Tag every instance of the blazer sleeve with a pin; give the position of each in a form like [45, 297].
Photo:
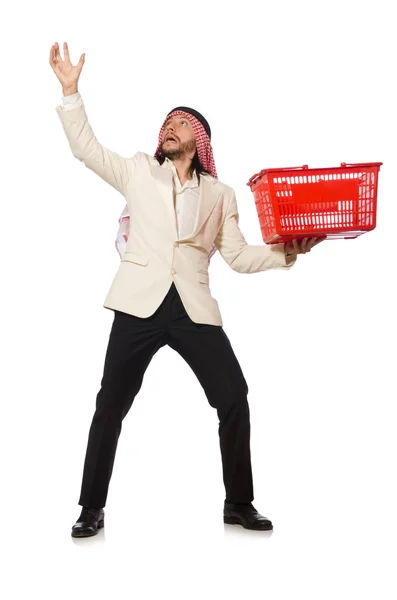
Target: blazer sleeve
[243, 257]
[110, 166]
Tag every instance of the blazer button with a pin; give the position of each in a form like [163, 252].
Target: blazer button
[173, 271]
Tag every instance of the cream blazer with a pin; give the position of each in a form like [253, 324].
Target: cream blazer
[155, 256]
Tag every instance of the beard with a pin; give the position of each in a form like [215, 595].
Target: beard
[178, 150]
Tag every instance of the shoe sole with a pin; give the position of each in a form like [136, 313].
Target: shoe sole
[89, 534]
[235, 521]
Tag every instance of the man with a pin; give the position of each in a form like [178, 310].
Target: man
[180, 214]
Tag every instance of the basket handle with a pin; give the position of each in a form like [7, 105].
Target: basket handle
[378, 164]
[293, 168]
[283, 169]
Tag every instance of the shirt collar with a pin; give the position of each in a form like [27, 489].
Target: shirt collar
[190, 182]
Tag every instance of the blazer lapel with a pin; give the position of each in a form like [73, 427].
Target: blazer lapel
[208, 196]
[163, 179]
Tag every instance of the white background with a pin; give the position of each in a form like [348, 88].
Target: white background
[281, 84]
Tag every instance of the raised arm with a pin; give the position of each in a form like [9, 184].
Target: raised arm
[243, 257]
[110, 166]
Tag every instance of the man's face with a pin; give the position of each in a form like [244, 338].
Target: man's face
[179, 128]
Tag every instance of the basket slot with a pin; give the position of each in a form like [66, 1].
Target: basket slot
[264, 207]
[366, 202]
[329, 216]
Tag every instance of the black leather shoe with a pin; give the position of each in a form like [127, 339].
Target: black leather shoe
[245, 515]
[88, 523]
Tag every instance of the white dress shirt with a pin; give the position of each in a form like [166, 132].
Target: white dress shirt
[186, 197]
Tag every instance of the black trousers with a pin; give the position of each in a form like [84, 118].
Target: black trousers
[133, 341]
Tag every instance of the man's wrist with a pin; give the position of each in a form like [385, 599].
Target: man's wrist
[70, 90]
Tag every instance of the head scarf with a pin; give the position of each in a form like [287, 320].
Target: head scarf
[202, 133]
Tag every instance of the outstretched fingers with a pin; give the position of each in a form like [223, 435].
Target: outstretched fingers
[57, 54]
[52, 56]
[66, 52]
[81, 62]
[295, 244]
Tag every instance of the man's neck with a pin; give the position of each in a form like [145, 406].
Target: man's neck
[184, 169]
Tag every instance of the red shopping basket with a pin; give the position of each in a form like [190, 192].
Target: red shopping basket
[339, 202]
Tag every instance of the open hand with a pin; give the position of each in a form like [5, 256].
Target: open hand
[302, 246]
[67, 73]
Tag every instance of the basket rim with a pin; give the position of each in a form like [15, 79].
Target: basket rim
[305, 169]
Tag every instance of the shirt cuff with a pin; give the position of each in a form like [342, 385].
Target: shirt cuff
[70, 102]
[70, 99]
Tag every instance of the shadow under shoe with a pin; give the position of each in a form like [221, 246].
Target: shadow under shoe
[245, 515]
[88, 523]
